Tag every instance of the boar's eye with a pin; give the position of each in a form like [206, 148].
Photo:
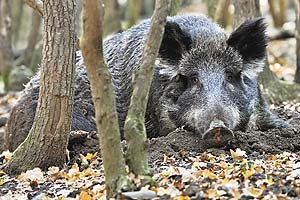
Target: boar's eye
[195, 80]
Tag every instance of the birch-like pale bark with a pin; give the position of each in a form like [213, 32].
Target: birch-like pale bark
[134, 131]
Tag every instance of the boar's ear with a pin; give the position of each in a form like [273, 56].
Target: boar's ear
[174, 43]
[250, 39]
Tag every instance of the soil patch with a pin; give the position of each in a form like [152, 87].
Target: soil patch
[272, 141]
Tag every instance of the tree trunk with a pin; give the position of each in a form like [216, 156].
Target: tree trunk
[175, 5]
[222, 15]
[112, 19]
[278, 9]
[211, 8]
[297, 12]
[47, 141]
[218, 11]
[17, 12]
[274, 13]
[33, 39]
[273, 88]
[283, 6]
[147, 7]
[102, 92]
[78, 25]
[5, 41]
[133, 12]
[134, 131]
[245, 9]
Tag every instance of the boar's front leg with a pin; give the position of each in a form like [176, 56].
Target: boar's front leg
[264, 119]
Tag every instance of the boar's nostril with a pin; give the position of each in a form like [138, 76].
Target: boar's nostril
[217, 134]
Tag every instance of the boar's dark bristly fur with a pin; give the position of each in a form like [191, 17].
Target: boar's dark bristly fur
[201, 75]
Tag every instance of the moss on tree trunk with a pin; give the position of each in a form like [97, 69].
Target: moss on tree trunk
[103, 98]
[134, 131]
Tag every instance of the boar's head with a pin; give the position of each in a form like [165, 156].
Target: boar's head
[205, 80]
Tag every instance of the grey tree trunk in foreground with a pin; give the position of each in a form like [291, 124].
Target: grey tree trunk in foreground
[134, 131]
[46, 143]
[274, 89]
[5, 41]
[297, 12]
[103, 97]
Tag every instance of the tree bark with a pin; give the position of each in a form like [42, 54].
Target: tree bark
[175, 5]
[273, 88]
[211, 8]
[278, 9]
[5, 41]
[219, 11]
[147, 7]
[17, 12]
[244, 10]
[134, 131]
[78, 25]
[297, 12]
[283, 5]
[222, 15]
[47, 141]
[112, 19]
[274, 13]
[33, 39]
[133, 12]
[102, 92]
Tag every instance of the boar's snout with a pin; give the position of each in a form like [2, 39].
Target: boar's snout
[217, 134]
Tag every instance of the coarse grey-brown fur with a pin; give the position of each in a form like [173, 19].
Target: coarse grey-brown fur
[190, 44]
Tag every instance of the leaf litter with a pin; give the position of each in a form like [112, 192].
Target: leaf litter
[232, 175]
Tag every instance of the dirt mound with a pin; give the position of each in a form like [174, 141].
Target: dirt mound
[272, 141]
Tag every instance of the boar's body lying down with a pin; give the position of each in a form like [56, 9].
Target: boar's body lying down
[203, 80]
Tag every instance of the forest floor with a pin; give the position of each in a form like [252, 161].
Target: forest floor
[254, 164]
